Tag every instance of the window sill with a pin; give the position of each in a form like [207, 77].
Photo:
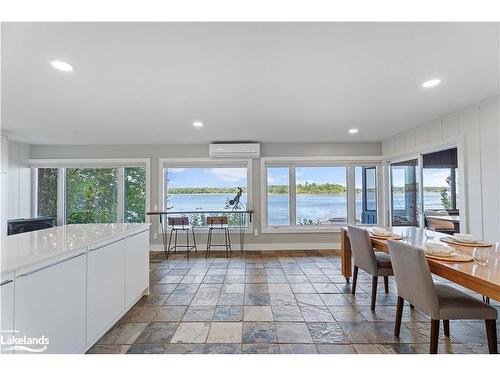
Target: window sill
[303, 229]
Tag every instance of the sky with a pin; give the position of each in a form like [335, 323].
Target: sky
[207, 177]
[432, 177]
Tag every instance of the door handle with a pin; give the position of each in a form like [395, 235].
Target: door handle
[50, 265]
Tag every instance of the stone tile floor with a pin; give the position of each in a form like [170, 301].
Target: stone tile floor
[272, 302]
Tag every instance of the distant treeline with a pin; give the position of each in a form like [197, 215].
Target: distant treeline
[204, 190]
[427, 189]
[306, 188]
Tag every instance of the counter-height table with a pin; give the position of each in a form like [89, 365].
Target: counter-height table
[483, 279]
[241, 221]
[62, 288]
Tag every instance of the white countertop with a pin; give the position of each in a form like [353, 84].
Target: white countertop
[27, 249]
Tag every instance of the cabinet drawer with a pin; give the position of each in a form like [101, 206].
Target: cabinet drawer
[136, 266]
[50, 302]
[105, 287]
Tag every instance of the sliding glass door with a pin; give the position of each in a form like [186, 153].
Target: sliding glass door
[405, 201]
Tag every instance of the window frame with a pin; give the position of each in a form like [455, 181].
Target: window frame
[202, 163]
[62, 164]
[292, 162]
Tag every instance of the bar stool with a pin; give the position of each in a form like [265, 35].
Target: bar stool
[218, 223]
[180, 224]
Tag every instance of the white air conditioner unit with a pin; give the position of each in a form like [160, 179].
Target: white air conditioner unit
[235, 150]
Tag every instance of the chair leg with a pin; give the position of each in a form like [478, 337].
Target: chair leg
[187, 243]
[446, 326]
[194, 240]
[225, 242]
[354, 280]
[374, 291]
[491, 332]
[175, 242]
[434, 336]
[209, 239]
[386, 284]
[399, 316]
[169, 241]
[229, 239]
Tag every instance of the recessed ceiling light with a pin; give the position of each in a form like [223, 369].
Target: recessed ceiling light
[61, 65]
[353, 131]
[197, 124]
[431, 83]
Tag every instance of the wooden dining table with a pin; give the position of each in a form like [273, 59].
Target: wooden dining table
[483, 279]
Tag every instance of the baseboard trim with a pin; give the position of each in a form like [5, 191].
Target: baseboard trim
[335, 246]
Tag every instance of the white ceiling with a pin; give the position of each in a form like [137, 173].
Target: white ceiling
[144, 83]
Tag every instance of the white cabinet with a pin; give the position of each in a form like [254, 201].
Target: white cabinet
[136, 266]
[7, 312]
[50, 302]
[105, 287]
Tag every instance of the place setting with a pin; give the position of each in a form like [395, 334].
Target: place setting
[384, 234]
[464, 239]
[444, 252]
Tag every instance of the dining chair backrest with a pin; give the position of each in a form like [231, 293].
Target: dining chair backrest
[217, 221]
[178, 221]
[362, 249]
[413, 277]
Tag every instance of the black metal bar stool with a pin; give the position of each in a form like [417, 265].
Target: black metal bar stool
[218, 223]
[180, 224]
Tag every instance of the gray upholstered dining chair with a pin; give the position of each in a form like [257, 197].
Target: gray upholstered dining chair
[376, 263]
[439, 301]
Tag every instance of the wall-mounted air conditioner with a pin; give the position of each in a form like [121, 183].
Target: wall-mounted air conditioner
[235, 150]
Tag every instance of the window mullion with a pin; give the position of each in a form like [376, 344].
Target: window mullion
[351, 195]
[34, 192]
[61, 196]
[292, 196]
[120, 207]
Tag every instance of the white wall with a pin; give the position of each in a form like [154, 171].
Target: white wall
[15, 181]
[479, 128]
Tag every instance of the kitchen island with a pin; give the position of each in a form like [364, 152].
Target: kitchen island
[62, 288]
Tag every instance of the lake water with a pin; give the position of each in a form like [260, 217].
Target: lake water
[310, 207]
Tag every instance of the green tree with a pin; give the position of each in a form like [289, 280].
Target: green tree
[445, 198]
[91, 195]
[47, 192]
[135, 195]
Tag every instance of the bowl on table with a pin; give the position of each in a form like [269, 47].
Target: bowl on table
[464, 237]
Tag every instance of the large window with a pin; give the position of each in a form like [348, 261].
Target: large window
[135, 195]
[440, 180]
[310, 195]
[366, 195]
[91, 194]
[204, 187]
[278, 196]
[321, 195]
[405, 197]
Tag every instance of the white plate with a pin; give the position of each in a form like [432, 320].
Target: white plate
[382, 232]
[438, 249]
[464, 238]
